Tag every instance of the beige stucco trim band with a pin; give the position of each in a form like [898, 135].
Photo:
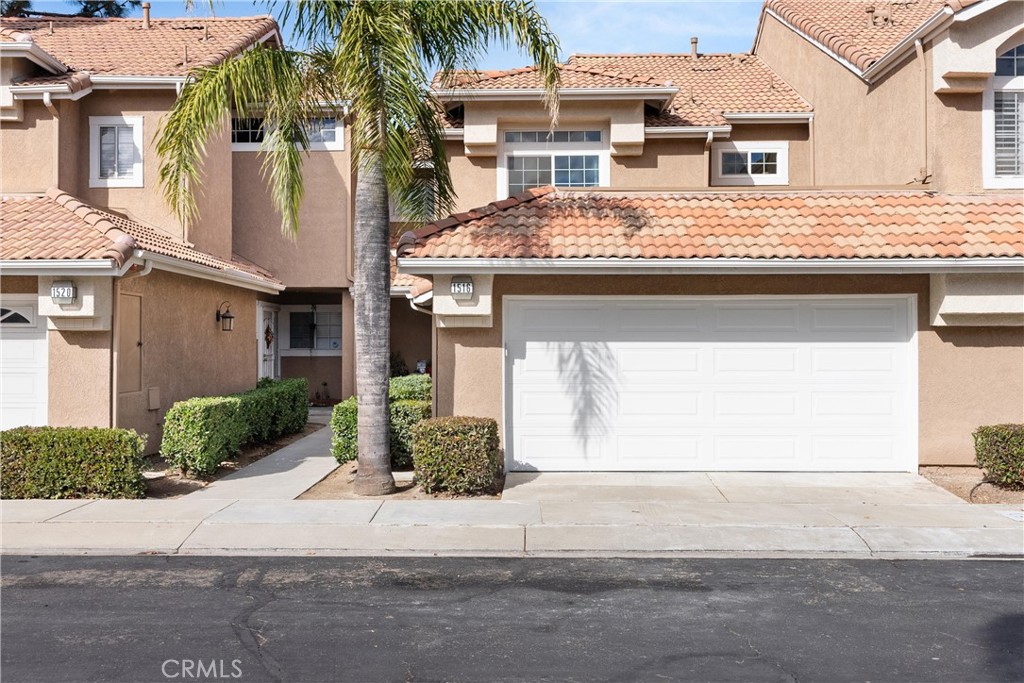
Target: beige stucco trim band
[603, 266]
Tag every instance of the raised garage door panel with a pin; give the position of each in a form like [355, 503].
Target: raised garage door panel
[715, 383]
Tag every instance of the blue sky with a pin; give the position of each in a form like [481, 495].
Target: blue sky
[610, 26]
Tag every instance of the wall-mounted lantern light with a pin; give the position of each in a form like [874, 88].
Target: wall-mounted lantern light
[226, 320]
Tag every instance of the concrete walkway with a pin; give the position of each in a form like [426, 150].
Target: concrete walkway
[253, 512]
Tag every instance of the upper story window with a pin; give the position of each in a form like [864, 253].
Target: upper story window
[563, 158]
[750, 163]
[115, 151]
[1003, 122]
[322, 133]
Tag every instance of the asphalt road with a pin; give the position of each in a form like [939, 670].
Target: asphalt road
[459, 619]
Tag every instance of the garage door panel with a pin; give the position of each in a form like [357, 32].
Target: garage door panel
[23, 363]
[687, 383]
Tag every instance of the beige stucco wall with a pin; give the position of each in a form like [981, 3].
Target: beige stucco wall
[316, 370]
[79, 379]
[28, 151]
[967, 376]
[144, 203]
[319, 255]
[863, 135]
[410, 333]
[185, 353]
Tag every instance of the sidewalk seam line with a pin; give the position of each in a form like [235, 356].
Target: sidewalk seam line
[61, 514]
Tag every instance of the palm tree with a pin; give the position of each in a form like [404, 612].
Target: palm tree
[376, 54]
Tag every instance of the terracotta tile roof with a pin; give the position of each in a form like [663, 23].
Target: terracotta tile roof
[59, 226]
[708, 85]
[842, 26]
[571, 76]
[121, 47]
[545, 223]
[74, 80]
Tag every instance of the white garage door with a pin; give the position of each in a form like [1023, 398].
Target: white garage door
[23, 363]
[711, 383]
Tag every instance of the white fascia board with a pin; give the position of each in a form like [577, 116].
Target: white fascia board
[626, 93]
[97, 267]
[686, 131]
[454, 133]
[977, 10]
[136, 82]
[694, 266]
[815, 43]
[31, 51]
[939, 21]
[228, 277]
[56, 92]
[765, 117]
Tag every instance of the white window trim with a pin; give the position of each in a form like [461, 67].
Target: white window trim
[337, 146]
[529, 149]
[990, 181]
[780, 147]
[136, 179]
[284, 325]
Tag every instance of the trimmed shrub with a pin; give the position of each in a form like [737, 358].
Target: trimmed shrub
[458, 455]
[403, 415]
[999, 450]
[344, 431]
[409, 388]
[71, 462]
[201, 433]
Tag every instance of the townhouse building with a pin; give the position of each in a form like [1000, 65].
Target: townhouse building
[807, 257]
[111, 309]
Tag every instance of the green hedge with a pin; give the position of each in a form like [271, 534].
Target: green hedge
[71, 462]
[403, 415]
[409, 388]
[201, 433]
[999, 450]
[458, 455]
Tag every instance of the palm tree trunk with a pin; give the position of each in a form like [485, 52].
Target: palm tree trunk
[372, 299]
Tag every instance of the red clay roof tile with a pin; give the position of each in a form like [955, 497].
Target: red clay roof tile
[551, 224]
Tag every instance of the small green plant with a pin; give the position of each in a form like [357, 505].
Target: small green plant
[999, 450]
[457, 455]
[201, 433]
[398, 366]
[71, 462]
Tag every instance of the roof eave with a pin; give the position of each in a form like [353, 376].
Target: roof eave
[235, 278]
[768, 117]
[460, 94]
[61, 267]
[31, 51]
[686, 131]
[938, 22]
[60, 91]
[697, 266]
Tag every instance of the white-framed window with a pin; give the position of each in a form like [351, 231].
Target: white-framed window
[323, 133]
[750, 163]
[17, 316]
[115, 151]
[1002, 122]
[313, 330]
[563, 158]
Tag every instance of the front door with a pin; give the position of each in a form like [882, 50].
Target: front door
[270, 359]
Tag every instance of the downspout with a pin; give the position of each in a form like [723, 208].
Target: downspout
[919, 49]
[813, 151]
[115, 336]
[52, 108]
[707, 159]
